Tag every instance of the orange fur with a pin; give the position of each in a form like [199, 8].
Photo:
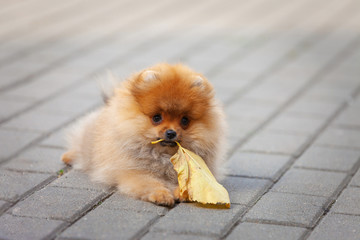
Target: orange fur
[67, 157]
[113, 143]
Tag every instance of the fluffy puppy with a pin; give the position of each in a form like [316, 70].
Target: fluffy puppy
[113, 144]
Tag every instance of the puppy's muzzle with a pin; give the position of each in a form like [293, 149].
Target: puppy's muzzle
[170, 137]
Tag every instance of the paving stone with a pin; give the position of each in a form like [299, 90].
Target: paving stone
[12, 141]
[12, 107]
[57, 203]
[330, 92]
[312, 182]
[102, 223]
[245, 190]
[234, 141]
[88, 90]
[69, 105]
[120, 201]
[37, 159]
[257, 231]
[277, 93]
[337, 226]
[296, 124]
[14, 184]
[207, 221]
[228, 84]
[278, 143]
[37, 121]
[335, 137]
[174, 236]
[3, 206]
[257, 165]
[349, 118]
[12, 227]
[247, 109]
[312, 107]
[241, 127]
[56, 140]
[286, 208]
[348, 202]
[327, 158]
[78, 179]
[355, 181]
[37, 90]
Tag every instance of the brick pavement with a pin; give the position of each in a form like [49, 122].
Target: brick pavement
[286, 71]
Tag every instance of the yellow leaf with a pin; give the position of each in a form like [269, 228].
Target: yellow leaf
[196, 182]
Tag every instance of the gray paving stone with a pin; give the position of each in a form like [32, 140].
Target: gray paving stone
[241, 127]
[227, 83]
[36, 90]
[258, 231]
[233, 142]
[312, 107]
[102, 223]
[311, 182]
[355, 181]
[174, 236]
[12, 107]
[348, 138]
[330, 92]
[12, 141]
[88, 90]
[57, 203]
[296, 124]
[56, 140]
[277, 93]
[327, 158]
[37, 121]
[349, 118]
[120, 201]
[348, 202]
[66, 104]
[337, 226]
[207, 221]
[14, 184]
[245, 190]
[12, 227]
[288, 209]
[78, 179]
[269, 166]
[37, 159]
[278, 143]
[247, 109]
[3, 206]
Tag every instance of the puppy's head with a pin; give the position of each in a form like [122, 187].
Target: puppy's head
[176, 102]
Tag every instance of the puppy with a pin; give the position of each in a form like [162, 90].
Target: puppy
[171, 102]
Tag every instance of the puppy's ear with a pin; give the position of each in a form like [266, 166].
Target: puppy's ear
[149, 75]
[198, 81]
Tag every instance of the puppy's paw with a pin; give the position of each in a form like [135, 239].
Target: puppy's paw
[160, 196]
[68, 157]
[177, 195]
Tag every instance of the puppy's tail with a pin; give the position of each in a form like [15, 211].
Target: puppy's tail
[107, 84]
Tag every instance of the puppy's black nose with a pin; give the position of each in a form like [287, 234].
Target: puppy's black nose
[170, 134]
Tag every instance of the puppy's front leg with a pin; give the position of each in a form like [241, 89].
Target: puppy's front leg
[146, 187]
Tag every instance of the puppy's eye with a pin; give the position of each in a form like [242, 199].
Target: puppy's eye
[157, 119]
[185, 121]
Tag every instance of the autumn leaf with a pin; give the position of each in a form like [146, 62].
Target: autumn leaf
[196, 182]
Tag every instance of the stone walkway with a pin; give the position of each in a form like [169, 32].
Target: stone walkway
[288, 73]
